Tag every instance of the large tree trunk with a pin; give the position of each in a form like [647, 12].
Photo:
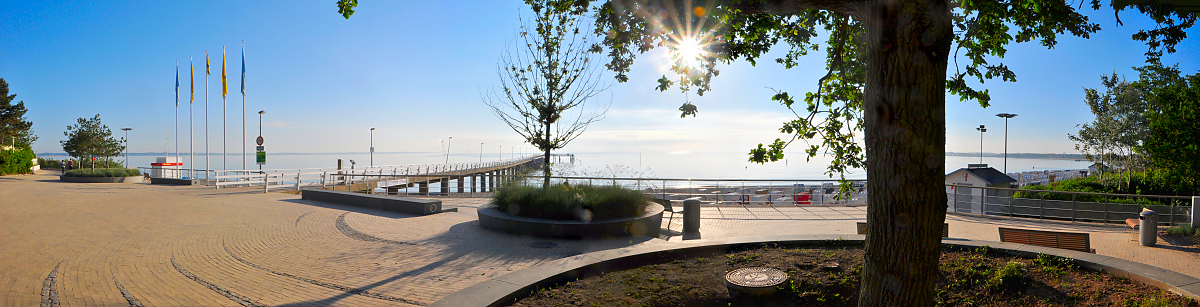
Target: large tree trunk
[907, 44]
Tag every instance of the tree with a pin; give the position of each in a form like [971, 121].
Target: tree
[548, 71]
[13, 126]
[1173, 117]
[887, 72]
[1120, 126]
[90, 139]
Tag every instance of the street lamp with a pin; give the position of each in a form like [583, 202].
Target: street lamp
[126, 146]
[981, 131]
[372, 146]
[480, 152]
[260, 113]
[1006, 116]
[448, 150]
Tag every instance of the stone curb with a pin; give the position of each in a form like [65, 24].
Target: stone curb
[649, 224]
[506, 289]
[407, 205]
[130, 179]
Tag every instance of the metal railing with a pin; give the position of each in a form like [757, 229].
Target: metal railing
[801, 192]
[1068, 206]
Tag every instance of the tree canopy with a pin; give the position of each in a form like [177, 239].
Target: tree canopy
[1173, 120]
[90, 139]
[14, 128]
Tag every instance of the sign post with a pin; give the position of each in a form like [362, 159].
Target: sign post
[260, 155]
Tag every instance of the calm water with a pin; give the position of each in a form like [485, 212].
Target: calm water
[699, 165]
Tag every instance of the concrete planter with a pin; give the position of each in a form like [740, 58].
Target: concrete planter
[648, 224]
[130, 179]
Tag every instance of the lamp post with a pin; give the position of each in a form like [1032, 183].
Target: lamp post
[480, 152]
[372, 146]
[448, 150]
[260, 113]
[126, 146]
[1006, 116]
[981, 131]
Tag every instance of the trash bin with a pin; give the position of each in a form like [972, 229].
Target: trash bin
[1149, 227]
[691, 217]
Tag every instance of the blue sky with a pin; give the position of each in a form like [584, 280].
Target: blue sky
[415, 69]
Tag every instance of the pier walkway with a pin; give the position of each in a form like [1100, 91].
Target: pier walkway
[75, 244]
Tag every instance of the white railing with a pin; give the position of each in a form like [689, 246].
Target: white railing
[310, 177]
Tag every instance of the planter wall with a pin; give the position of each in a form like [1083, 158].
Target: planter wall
[649, 224]
[130, 179]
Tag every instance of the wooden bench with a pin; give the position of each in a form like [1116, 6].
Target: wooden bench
[862, 229]
[1133, 223]
[1075, 241]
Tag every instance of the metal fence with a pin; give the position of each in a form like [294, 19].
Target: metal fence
[816, 192]
[1058, 205]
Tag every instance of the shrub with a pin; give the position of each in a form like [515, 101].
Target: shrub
[103, 172]
[50, 163]
[564, 202]
[1153, 182]
[16, 161]
[1009, 277]
[1183, 229]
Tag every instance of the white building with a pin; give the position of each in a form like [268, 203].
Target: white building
[977, 175]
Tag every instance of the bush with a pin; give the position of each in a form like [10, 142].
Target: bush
[16, 161]
[564, 202]
[104, 172]
[1008, 278]
[1183, 229]
[1155, 182]
[50, 163]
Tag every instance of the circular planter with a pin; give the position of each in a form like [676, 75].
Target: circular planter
[648, 224]
[130, 179]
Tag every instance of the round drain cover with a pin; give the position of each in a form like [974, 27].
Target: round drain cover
[543, 244]
[754, 280]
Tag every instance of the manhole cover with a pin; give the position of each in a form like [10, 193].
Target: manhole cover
[755, 280]
[543, 244]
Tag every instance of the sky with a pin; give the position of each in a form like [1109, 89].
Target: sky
[415, 71]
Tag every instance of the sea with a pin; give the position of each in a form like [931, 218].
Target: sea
[675, 165]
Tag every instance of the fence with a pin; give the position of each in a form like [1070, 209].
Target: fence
[816, 192]
[1111, 208]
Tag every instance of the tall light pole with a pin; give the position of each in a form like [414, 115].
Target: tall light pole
[480, 152]
[448, 150]
[372, 146]
[1006, 116]
[981, 131]
[126, 146]
[260, 113]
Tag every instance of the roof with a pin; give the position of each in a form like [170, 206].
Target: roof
[989, 175]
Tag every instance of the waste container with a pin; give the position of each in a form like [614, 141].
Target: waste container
[691, 216]
[1149, 227]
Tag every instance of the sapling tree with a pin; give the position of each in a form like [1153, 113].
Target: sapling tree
[546, 78]
[91, 139]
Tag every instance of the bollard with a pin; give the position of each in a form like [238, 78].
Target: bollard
[691, 218]
[1195, 210]
[1149, 227]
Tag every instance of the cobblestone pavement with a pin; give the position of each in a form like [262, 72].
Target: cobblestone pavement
[74, 244]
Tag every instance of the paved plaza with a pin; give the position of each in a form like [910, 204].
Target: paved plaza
[75, 244]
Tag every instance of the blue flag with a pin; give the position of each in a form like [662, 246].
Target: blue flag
[176, 83]
[243, 68]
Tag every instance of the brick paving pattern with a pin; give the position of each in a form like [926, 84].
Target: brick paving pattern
[75, 244]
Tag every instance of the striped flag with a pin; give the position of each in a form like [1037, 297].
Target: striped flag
[192, 69]
[243, 68]
[224, 87]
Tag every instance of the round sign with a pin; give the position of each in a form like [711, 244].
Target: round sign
[259, 140]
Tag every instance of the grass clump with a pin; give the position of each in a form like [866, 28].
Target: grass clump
[103, 172]
[564, 202]
[1011, 276]
[1183, 229]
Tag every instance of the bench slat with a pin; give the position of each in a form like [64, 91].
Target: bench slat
[1064, 240]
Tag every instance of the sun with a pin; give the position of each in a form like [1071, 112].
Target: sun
[690, 52]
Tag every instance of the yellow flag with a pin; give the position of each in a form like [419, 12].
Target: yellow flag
[224, 87]
[207, 69]
[192, 74]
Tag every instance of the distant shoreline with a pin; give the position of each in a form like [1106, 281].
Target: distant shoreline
[1024, 155]
[1052, 156]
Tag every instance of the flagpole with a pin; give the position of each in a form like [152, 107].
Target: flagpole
[224, 110]
[176, 114]
[191, 124]
[243, 104]
[207, 71]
